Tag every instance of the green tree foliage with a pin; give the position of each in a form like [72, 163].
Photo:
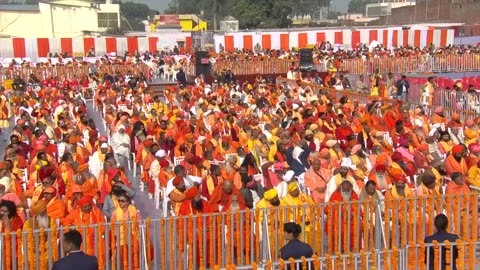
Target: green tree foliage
[359, 6]
[135, 13]
[250, 13]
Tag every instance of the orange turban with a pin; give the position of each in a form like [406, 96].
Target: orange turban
[147, 143]
[457, 149]
[191, 193]
[177, 180]
[73, 140]
[85, 200]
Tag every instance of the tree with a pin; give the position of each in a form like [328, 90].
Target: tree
[135, 13]
[249, 13]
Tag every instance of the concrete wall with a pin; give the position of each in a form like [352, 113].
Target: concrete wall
[55, 20]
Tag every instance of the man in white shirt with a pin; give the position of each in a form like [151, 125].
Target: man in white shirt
[95, 162]
[121, 146]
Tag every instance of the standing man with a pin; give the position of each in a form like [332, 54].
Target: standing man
[402, 86]
[76, 259]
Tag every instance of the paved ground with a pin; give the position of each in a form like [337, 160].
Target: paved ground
[145, 205]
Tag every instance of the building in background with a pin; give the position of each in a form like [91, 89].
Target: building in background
[424, 11]
[185, 22]
[58, 19]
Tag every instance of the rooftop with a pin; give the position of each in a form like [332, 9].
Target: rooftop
[31, 8]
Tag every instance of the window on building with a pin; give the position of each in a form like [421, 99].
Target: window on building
[108, 20]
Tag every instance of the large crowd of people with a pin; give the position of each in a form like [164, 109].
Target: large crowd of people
[216, 148]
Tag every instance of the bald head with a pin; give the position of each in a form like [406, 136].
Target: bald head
[316, 164]
[228, 186]
[346, 186]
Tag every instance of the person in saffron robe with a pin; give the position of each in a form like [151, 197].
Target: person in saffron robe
[213, 180]
[344, 194]
[194, 204]
[56, 208]
[342, 175]
[456, 162]
[222, 195]
[300, 206]
[9, 219]
[316, 179]
[400, 189]
[80, 179]
[177, 195]
[87, 213]
[458, 185]
[474, 175]
[39, 219]
[125, 211]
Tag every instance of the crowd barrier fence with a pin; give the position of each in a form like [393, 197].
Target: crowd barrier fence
[467, 105]
[360, 233]
[396, 65]
[70, 72]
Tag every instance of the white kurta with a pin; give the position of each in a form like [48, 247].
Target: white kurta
[117, 141]
[95, 165]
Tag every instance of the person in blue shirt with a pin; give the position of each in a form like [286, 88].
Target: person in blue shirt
[294, 248]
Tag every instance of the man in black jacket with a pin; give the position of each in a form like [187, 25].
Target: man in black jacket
[75, 259]
[441, 224]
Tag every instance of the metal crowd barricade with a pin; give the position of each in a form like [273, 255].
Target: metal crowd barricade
[69, 72]
[414, 64]
[359, 233]
[467, 105]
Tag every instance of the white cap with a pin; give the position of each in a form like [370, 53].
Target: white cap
[201, 138]
[5, 181]
[288, 176]
[104, 145]
[160, 153]
[121, 127]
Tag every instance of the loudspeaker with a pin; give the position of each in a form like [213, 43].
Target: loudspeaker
[200, 58]
[202, 63]
[306, 59]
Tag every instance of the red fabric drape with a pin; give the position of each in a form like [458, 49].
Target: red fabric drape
[19, 47]
[321, 37]
[405, 38]
[385, 38]
[248, 42]
[429, 37]
[417, 38]
[188, 43]
[111, 44]
[372, 35]
[443, 37]
[302, 40]
[355, 38]
[132, 44]
[229, 44]
[285, 42]
[152, 43]
[395, 38]
[43, 47]
[266, 42]
[88, 43]
[338, 37]
[66, 45]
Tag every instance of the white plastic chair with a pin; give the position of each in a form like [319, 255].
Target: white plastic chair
[134, 165]
[24, 179]
[178, 160]
[142, 184]
[159, 194]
